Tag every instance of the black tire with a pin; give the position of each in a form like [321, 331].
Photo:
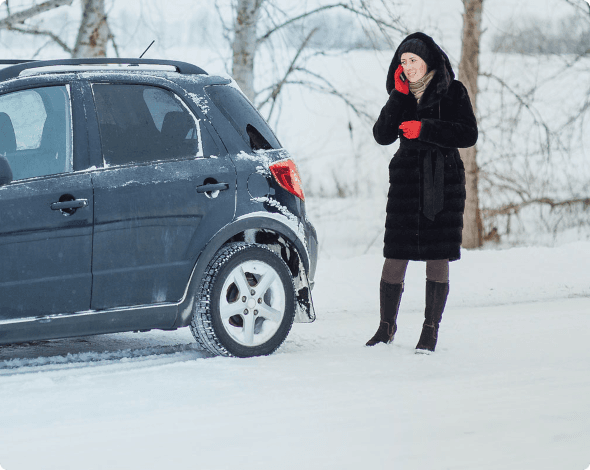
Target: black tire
[258, 329]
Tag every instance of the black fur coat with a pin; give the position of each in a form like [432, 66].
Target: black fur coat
[426, 196]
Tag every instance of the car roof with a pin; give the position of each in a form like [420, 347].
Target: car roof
[18, 68]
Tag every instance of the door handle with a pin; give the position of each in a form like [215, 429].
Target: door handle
[75, 204]
[209, 188]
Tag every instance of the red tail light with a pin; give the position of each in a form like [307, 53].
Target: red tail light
[286, 174]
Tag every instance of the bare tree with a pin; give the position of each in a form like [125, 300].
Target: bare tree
[468, 74]
[530, 168]
[16, 21]
[245, 43]
[94, 33]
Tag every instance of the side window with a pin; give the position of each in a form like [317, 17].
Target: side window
[36, 131]
[140, 124]
[243, 117]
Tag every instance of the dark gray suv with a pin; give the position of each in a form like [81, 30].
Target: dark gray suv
[146, 194]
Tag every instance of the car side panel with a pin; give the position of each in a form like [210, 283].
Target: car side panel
[45, 255]
[150, 224]
[87, 323]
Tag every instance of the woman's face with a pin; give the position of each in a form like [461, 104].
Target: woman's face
[414, 67]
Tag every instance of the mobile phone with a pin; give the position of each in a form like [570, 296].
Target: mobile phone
[403, 77]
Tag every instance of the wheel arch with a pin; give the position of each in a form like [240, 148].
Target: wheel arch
[266, 229]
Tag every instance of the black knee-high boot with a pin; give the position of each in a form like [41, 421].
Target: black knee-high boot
[436, 298]
[390, 296]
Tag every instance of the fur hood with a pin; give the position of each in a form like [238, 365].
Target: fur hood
[440, 62]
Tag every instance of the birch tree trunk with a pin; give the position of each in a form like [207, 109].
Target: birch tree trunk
[244, 45]
[93, 34]
[468, 73]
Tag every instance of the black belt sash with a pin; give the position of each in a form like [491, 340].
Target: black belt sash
[433, 184]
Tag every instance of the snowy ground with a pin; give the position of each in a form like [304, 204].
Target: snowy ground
[507, 388]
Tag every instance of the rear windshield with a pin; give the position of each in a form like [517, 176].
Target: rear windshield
[244, 117]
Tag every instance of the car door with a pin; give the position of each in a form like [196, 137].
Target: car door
[163, 192]
[46, 212]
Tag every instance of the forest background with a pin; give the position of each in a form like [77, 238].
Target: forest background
[318, 76]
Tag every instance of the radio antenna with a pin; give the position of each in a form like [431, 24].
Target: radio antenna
[147, 48]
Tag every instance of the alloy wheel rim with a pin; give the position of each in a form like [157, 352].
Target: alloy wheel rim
[252, 303]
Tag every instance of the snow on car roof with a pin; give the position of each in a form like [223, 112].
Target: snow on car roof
[19, 68]
[92, 68]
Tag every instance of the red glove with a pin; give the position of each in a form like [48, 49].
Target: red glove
[411, 129]
[401, 85]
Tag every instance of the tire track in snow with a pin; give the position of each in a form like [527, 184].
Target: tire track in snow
[140, 357]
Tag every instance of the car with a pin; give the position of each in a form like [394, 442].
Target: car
[140, 194]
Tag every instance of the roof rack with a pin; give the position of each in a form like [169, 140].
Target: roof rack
[17, 66]
[14, 61]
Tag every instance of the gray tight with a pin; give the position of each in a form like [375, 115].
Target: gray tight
[394, 270]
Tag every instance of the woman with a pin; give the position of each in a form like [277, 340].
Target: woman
[431, 114]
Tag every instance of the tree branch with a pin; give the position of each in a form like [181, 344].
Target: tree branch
[39, 32]
[507, 183]
[112, 39]
[579, 7]
[514, 208]
[533, 112]
[344, 6]
[22, 16]
[389, 12]
[276, 89]
[330, 89]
